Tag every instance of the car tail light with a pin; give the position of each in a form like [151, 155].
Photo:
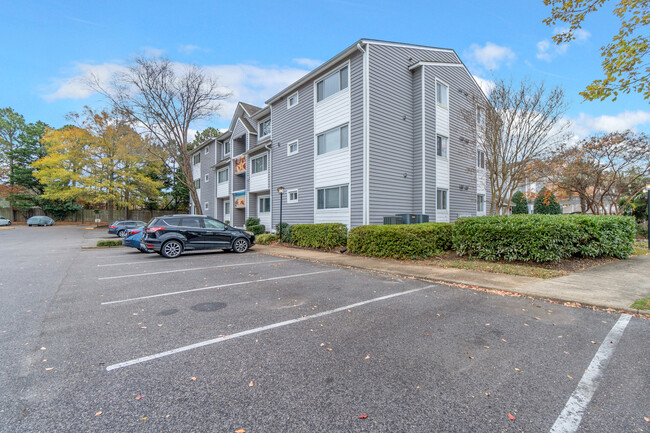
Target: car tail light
[133, 232]
[149, 246]
[155, 229]
[111, 227]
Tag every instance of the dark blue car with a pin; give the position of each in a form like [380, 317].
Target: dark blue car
[120, 228]
[132, 239]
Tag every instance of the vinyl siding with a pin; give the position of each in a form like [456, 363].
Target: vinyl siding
[208, 191]
[416, 85]
[356, 139]
[295, 171]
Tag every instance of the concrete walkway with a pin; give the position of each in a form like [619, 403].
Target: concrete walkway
[613, 285]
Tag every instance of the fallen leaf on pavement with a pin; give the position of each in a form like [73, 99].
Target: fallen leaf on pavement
[511, 417]
[367, 357]
[144, 418]
[516, 369]
[193, 379]
[427, 335]
[250, 383]
[593, 342]
[241, 430]
[42, 348]
[139, 397]
[49, 368]
[329, 349]
[98, 413]
[487, 394]
[471, 357]
[143, 327]
[645, 418]
[569, 376]
[322, 344]
[486, 347]
[363, 416]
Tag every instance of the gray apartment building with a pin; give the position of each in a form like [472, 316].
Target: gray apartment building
[381, 128]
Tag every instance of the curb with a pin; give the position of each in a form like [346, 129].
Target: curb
[92, 247]
[503, 292]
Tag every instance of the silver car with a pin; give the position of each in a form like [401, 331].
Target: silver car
[4, 221]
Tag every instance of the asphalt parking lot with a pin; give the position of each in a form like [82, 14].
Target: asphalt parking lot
[116, 340]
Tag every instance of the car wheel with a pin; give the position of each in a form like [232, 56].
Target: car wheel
[240, 245]
[121, 233]
[171, 249]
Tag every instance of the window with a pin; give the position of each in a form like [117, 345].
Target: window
[480, 116]
[209, 223]
[197, 183]
[207, 178]
[292, 196]
[480, 159]
[197, 158]
[172, 221]
[207, 149]
[333, 198]
[333, 139]
[441, 199]
[332, 84]
[190, 222]
[226, 208]
[206, 205]
[442, 94]
[226, 148]
[442, 146]
[292, 148]
[480, 203]
[259, 164]
[264, 205]
[292, 101]
[264, 128]
[222, 176]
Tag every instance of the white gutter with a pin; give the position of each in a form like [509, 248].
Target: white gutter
[366, 133]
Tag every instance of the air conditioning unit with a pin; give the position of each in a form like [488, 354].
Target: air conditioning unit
[413, 218]
[393, 220]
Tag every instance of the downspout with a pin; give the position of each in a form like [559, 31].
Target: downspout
[366, 134]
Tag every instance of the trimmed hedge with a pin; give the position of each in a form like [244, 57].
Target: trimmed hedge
[110, 243]
[544, 238]
[266, 238]
[327, 236]
[401, 241]
[253, 225]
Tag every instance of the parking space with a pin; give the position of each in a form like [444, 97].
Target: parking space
[222, 341]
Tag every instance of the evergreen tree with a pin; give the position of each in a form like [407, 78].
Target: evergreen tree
[546, 203]
[520, 203]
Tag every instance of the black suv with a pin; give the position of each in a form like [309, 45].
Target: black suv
[170, 235]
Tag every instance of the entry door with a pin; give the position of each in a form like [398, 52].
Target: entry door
[264, 211]
[226, 212]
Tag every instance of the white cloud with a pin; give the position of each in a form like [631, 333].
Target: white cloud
[77, 86]
[485, 85]
[586, 124]
[189, 49]
[491, 56]
[310, 63]
[246, 83]
[152, 51]
[547, 50]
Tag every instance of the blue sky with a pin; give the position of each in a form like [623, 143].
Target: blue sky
[257, 48]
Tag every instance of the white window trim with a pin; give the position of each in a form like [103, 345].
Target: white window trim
[206, 206]
[477, 202]
[224, 209]
[194, 161]
[259, 173]
[221, 171]
[229, 148]
[334, 152]
[446, 209]
[289, 152]
[478, 159]
[289, 195]
[207, 150]
[258, 129]
[446, 107]
[289, 99]
[446, 156]
[259, 198]
[334, 209]
[327, 74]
[207, 178]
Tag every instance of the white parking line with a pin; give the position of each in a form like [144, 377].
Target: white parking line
[190, 269]
[215, 287]
[256, 330]
[570, 418]
[155, 260]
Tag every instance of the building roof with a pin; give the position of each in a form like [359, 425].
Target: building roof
[222, 163]
[250, 109]
[349, 50]
[249, 126]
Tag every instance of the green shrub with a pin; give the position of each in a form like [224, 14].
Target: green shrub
[250, 222]
[544, 238]
[546, 203]
[266, 238]
[642, 230]
[257, 230]
[325, 236]
[400, 241]
[520, 203]
[110, 243]
[286, 232]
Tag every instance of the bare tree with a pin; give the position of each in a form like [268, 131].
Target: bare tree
[520, 124]
[606, 171]
[165, 99]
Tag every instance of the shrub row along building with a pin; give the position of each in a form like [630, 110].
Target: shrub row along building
[380, 129]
